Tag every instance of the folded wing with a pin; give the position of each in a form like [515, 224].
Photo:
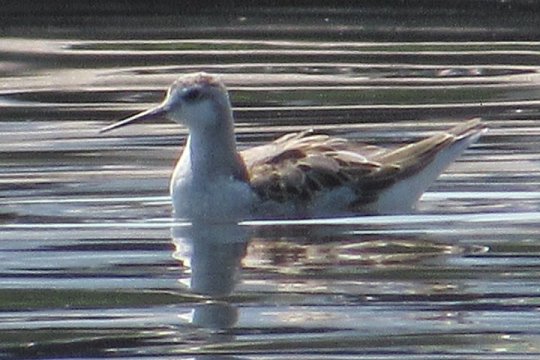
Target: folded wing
[299, 166]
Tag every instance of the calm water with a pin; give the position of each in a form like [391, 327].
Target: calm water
[93, 265]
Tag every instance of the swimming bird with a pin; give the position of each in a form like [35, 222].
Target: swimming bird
[300, 174]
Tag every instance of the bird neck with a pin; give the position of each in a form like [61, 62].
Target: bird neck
[211, 152]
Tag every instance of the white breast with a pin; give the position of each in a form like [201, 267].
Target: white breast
[221, 200]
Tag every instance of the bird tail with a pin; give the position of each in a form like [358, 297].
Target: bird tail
[421, 163]
[454, 141]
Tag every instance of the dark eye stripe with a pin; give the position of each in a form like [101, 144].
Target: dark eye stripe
[191, 94]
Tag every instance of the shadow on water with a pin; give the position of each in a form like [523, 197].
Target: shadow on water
[92, 265]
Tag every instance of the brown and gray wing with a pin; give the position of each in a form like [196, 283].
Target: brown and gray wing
[296, 167]
[416, 156]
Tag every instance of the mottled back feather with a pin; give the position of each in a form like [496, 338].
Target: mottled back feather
[297, 167]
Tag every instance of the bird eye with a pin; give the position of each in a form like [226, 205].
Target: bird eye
[191, 94]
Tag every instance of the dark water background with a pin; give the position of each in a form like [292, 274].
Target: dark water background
[93, 265]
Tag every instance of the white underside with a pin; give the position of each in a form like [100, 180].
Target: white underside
[227, 200]
[328, 203]
[222, 200]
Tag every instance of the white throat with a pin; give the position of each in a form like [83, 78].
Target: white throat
[209, 179]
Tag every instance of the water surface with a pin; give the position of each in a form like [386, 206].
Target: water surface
[93, 264]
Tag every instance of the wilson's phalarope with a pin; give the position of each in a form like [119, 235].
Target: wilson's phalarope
[300, 174]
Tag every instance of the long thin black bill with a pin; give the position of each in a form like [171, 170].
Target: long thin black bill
[149, 114]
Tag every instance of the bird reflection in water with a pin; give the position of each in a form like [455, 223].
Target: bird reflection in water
[213, 253]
